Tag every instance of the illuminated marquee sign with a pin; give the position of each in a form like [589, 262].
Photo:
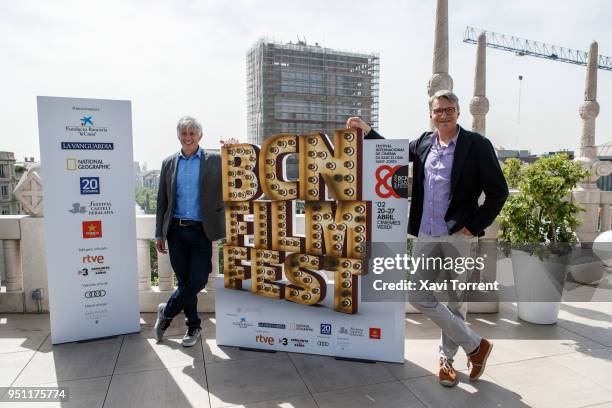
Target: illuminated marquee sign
[337, 230]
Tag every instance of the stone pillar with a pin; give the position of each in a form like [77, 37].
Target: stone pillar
[479, 105]
[2, 268]
[587, 194]
[215, 264]
[483, 302]
[440, 78]
[12, 265]
[605, 216]
[34, 263]
[164, 273]
[589, 110]
[144, 264]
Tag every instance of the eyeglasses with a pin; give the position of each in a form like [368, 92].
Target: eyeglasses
[449, 111]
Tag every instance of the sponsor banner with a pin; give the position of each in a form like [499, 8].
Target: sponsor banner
[90, 230]
[373, 330]
[259, 322]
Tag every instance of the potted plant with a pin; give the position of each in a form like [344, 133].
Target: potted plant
[537, 227]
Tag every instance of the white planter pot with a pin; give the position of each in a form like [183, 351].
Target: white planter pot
[539, 286]
[602, 247]
[586, 267]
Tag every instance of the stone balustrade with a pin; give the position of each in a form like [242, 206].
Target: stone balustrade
[24, 266]
[605, 223]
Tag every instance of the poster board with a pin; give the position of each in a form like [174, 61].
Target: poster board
[89, 217]
[282, 291]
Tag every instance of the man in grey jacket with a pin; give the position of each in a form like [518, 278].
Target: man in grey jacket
[190, 215]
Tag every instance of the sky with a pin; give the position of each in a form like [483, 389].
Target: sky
[172, 58]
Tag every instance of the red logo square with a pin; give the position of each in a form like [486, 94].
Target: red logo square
[375, 333]
[92, 229]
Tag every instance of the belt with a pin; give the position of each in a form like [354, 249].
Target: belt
[181, 222]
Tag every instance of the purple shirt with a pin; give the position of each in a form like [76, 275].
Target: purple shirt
[436, 184]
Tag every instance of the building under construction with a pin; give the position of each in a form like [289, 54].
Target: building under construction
[299, 88]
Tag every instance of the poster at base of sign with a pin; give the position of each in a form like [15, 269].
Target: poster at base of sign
[90, 224]
[301, 291]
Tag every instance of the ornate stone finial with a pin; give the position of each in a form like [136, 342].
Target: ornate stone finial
[590, 88]
[440, 78]
[479, 105]
[589, 109]
[29, 191]
[440, 57]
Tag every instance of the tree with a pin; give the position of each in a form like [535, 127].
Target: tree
[146, 198]
[540, 218]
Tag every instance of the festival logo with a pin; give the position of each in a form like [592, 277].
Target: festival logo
[94, 208]
[92, 229]
[89, 185]
[86, 127]
[87, 146]
[271, 325]
[269, 340]
[391, 181]
[326, 329]
[300, 327]
[375, 333]
[242, 323]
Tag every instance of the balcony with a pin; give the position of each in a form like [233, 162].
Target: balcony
[562, 365]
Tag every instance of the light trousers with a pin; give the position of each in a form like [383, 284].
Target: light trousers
[450, 317]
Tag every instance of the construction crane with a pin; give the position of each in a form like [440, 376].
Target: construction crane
[539, 49]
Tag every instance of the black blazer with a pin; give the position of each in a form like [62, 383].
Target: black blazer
[475, 170]
[211, 200]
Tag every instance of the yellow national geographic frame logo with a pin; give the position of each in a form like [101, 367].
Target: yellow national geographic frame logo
[71, 164]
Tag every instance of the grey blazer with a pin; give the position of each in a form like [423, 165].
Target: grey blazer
[212, 210]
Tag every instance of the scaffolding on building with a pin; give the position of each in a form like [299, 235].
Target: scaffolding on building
[300, 88]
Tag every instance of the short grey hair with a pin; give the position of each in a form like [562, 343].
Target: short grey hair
[446, 94]
[187, 122]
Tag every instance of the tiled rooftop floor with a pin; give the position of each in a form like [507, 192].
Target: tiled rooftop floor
[563, 365]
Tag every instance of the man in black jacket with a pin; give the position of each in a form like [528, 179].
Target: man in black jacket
[452, 167]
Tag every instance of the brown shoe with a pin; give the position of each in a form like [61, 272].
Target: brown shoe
[446, 373]
[479, 359]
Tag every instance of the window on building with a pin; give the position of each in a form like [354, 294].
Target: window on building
[3, 170]
[4, 191]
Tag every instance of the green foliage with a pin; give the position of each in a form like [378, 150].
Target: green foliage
[146, 197]
[512, 172]
[154, 263]
[540, 219]
[19, 170]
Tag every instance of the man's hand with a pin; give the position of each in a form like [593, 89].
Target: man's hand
[230, 141]
[467, 232]
[357, 122]
[160, 244]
